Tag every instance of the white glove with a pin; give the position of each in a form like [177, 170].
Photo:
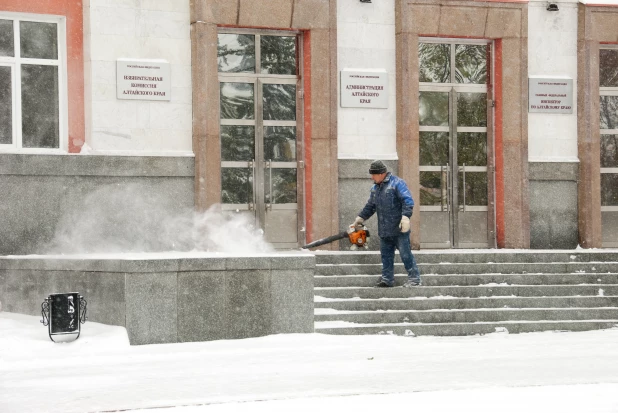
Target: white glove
[357, 222]
[404, 225]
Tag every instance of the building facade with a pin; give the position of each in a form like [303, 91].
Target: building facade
[500, 115]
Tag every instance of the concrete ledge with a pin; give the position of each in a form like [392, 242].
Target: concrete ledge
[96, 165]
[176, 299]
[150, 263]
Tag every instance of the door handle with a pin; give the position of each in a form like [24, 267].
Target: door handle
[269, 205]
[252, 185]
[463, 207]
[444, 189]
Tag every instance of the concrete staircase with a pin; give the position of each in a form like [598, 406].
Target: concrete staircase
[468, 292]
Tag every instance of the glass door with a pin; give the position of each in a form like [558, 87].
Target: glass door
[260, 154]
[454, 144]
[608, 108]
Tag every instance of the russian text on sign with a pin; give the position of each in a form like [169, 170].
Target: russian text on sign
[149, 80]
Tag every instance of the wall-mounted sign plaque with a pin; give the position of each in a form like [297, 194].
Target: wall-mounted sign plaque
[364, 88]
[550, 95]
[143, 79]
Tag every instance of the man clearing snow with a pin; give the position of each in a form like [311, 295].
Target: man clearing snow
[391, 199]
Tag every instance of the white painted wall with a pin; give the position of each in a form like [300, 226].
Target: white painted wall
[138, 29]
[366, 40]
[552, 51]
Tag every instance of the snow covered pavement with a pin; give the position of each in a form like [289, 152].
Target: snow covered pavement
[535, 372]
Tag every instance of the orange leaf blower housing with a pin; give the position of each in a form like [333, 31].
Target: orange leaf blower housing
[359, 237]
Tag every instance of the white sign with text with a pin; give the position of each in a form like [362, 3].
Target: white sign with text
[364, 88]
[550, 95]
[143, 79]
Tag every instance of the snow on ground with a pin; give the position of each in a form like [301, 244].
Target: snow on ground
[100, 372]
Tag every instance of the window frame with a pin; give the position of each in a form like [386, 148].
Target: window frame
[16, 62]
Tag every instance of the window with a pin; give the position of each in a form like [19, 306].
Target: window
[32, 83]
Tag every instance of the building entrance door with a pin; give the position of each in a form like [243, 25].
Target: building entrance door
[261, 158]
[456, 147]
[608, 110]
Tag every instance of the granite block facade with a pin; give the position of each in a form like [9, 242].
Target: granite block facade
[157, 302]
[553, 205]
[39, 192]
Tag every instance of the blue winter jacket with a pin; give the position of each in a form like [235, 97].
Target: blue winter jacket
[391, 199]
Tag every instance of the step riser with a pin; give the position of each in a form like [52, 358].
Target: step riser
[469, 303]
[471, 316]
[467, 329]
[434, 258]
[473, 292]
[505, 268]
[471, 280]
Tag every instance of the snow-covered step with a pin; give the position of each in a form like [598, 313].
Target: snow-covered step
[472, 256]
[472, 279]
[441, 302]
[466, 316]
[470, 291]
[460, 329]
[474, 268]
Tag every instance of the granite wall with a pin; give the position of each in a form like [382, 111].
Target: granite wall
[553, 205]
[173, 300]
[37, 192]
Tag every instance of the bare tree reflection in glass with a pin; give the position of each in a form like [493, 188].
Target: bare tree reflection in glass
[284, 186]
[237, 143]
[608, 111]
[472, 148]
[278, 55]
[471, 63]
[609, 189]
[236, 53]
[431, 188]
[236, 186]
[475, 189]
[609, 151]
[433, 109]
[434, 62]
[472, 109]
[280, 143]
[608, 68]
[279, 101]
[237, 101]
[433, 150]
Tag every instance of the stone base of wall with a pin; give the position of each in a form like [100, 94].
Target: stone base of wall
[354, 186]
[39, 191]
[172, 300]
[553, 205]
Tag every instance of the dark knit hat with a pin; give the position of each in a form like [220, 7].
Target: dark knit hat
[377, 167]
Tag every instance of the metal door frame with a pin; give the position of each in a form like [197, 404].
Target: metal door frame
[258, 205]
[450, 193]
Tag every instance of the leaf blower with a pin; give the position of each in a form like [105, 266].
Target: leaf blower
[358, 236]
